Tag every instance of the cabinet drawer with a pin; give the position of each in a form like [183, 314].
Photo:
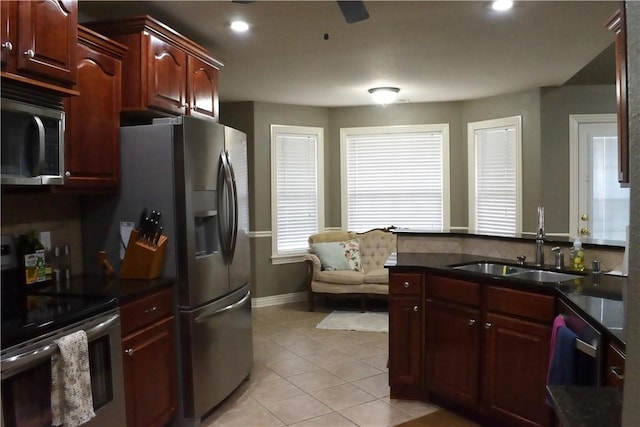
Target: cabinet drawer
[524, 304]
[615, 367]
[146, 310]
[405, 283]
[445, 288]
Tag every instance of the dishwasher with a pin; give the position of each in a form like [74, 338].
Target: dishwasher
[589, 354]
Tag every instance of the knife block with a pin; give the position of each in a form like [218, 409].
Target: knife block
[141, 260]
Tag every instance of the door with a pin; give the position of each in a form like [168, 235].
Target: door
[600, 206]
[166, 78]
[217, 348]
[515, 371]
[206, 270]
[202, 85]
[48, 33]
[405, 324]
[453, 342]
[240, 257]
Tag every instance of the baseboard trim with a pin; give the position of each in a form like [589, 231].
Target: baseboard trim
[278, 299]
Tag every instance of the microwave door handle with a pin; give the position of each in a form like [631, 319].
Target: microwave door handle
[17, 363]
[39, 166]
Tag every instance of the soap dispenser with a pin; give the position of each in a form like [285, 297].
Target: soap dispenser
[577, 255]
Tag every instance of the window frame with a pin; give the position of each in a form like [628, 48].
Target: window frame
[472, 127]
[345, 133]
[275, 132]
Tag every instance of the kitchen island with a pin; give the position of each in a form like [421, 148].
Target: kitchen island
[479, 343]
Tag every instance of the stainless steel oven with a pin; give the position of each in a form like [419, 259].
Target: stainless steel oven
[26, 374]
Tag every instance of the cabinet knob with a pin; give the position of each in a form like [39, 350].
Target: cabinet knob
[415, 308]
[584, 231]
[129, 352]
[487, 325]
[7, 46]
[30, 53]
[471, 322]
[67, 174]
[406, 284]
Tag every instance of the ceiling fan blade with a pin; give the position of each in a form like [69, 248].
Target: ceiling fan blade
[353, 11]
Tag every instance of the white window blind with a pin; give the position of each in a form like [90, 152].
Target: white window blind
[494, 178]
[297, 197]
[395, 176]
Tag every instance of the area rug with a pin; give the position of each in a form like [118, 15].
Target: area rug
[439, 418]
[356, 321]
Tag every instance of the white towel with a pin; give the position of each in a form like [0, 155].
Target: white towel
[71, 399]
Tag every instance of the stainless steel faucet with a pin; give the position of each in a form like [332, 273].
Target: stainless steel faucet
[540, 237]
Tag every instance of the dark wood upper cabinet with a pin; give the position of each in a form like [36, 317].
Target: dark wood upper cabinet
[617, 24]
[39, 43]
[164, 73]
[92, 143]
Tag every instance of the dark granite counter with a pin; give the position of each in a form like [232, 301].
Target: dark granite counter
[122, 290]
[578, 406]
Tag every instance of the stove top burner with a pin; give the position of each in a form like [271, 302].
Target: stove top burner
[28, 315]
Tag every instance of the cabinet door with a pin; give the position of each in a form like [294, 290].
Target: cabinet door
[617, 24]
[202, 84]
[167, 75]
[405, 341]
[515, 370]
[48, 33]
[452, 352]
[8, 19]
[92, 145]
[149, 371]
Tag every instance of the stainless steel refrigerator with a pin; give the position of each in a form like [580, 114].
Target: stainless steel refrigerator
[194, 172]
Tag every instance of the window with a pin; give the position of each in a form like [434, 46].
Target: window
[495, 165]
[395, 175]
[297, 201]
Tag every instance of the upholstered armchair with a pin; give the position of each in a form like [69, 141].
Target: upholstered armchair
[348, 264]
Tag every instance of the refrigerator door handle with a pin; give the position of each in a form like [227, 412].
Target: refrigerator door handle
[206, 316]
[222, 207]
[234, 205]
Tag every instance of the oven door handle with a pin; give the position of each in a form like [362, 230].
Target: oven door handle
[15, 364]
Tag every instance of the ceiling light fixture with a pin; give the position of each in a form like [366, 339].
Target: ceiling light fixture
[502, 5]
[384, 95]
[239, 26]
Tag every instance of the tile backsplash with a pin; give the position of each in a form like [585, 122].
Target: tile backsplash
[610, 259]
[41, 211]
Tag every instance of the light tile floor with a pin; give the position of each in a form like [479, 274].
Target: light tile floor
[308, 377]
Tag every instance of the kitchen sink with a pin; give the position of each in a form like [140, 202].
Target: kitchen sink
[495, 269]
[545, 276]
[513, 272]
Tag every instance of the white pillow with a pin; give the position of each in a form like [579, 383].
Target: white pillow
[338, 255]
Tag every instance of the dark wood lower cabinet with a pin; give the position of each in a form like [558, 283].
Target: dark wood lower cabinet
[453, 346]
[148, 343]
[515, 369]
[486, 350]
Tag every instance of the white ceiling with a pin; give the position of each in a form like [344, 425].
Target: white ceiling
[432, 50]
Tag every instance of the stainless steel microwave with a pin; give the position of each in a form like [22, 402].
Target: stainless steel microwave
[32, 144]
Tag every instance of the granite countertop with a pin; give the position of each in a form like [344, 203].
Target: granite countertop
[598, 296]
[580, 406]
[122, 289]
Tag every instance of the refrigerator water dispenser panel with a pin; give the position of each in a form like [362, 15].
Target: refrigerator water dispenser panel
[205, 220]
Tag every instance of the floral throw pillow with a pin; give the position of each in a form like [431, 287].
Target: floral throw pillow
[352, 254]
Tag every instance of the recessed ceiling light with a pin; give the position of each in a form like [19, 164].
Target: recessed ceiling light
[239, 26]
[502, 5]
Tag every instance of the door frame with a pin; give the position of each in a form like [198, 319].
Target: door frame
[575, 120]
